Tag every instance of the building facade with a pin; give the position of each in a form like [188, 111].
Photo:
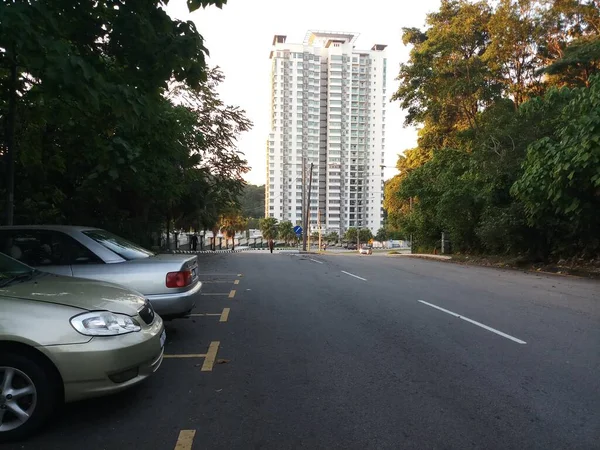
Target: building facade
[328, 103]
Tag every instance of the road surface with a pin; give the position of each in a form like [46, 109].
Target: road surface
[361, 352]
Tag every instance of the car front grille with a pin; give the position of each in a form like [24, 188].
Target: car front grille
[147, 313]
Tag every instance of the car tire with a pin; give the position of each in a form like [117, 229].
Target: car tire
[28, 370]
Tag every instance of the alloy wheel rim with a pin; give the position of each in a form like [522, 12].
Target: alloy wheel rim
[18, 398]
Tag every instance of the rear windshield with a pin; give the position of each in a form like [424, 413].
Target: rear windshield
[122, 247]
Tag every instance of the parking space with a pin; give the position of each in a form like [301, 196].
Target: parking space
[216, 293]
[165, 411]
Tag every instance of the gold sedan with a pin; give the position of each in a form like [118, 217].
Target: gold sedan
[64, 339]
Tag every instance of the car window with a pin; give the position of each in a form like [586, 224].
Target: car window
[122, 247]
[39, 248]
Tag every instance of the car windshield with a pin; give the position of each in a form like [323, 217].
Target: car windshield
[122, 247]
[10, 267]
[12, 270]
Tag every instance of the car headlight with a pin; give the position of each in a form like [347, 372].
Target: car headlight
[104, 323]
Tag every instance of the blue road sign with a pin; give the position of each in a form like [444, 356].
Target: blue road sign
[298, 230]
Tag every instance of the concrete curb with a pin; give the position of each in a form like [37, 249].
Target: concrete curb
[422, 256]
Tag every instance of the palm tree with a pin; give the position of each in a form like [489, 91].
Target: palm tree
[268, 228]
[230, 223]
[286, 231]
[332, 237]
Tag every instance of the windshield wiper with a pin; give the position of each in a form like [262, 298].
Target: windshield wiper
[21, 277]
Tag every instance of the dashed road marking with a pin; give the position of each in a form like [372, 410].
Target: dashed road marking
[314, 260]
[236, 282]
[355, 276]
[485, 327]
[211, 355]
[232, 293]
[185, 440]
[224, 315]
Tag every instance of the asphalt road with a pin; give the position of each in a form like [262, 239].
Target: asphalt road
[349, 352]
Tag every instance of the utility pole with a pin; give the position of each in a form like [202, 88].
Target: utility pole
[307, 211]
[319, 227]
[304, 221]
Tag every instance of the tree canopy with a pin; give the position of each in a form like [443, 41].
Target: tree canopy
[113, 118]
[253, 201]
[508, 158]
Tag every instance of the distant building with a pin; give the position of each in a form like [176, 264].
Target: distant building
[328, 103]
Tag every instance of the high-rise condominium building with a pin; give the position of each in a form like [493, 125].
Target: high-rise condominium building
[327, 108]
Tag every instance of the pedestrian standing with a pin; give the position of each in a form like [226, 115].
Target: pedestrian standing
[271, 245]
[194, 242]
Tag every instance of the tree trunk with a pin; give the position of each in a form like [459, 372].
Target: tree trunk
[10, 141]
[215, 231]
[168, 241]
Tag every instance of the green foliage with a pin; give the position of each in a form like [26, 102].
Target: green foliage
[561, 180]
[382, 235]
[505, 163]
[102, 140]
[364, 234]
[579, 62]
[285, 230]
[231, 222]
[253, 201]
[269, 228]
[350, 234]
[332, 237]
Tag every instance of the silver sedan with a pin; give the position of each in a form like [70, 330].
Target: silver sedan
[170, 282]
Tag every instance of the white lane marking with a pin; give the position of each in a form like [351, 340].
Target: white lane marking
[493, 330]
[314, 260]
[355, 276]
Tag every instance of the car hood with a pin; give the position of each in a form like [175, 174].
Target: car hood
[76, 292]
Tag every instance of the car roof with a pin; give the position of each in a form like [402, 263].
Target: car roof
[64, 228]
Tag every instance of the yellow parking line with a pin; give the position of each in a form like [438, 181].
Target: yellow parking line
[211, 355]
[185, 440]
[193, 355]
[232, 293]
[236, 282]
[224, 315]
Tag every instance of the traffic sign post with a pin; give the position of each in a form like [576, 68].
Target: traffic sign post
[297, 230]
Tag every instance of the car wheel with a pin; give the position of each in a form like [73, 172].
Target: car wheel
[28, 395]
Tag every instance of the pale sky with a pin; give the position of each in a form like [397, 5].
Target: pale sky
[239, 38]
